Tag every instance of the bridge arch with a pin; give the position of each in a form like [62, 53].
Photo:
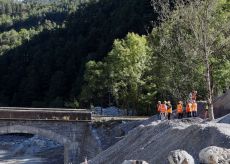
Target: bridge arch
[33, 130]
[70, 147]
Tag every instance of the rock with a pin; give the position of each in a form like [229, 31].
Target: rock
[134, 162]
[180, 157]
[214, 155]
[222, 104]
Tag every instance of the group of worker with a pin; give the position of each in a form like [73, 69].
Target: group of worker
[165, 108]
[191, 109]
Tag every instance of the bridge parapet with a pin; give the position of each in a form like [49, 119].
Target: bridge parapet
[58, 114]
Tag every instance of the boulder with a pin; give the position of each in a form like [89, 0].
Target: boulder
[134, 162]
[222, 104]
[180, 157]
[214, 155]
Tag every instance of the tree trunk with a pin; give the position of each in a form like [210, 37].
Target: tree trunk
[204, 24]
[209, 87]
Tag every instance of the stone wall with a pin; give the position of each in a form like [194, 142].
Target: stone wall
[75, 136]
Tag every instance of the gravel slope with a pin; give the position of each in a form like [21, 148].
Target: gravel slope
[153, 140]
[224, 119]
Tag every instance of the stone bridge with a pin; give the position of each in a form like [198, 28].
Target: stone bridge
[71, 128]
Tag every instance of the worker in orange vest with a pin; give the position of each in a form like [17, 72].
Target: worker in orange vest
[158, 109]
[163, 110]
[189, 109]
[158, 104]
[169, 110]
[194, 95]
[180, 110]
[194, 108]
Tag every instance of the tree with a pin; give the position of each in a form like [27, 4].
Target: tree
[201, 32]
[62, 36]
[94, 89]
[122, 74]
[127, 63]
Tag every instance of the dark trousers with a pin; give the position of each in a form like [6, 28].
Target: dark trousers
[169, 116]
[180, 115]
[194, 113]
[189, 114]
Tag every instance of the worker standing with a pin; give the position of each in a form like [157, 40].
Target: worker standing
[169, 110]
[189, 109]
[194, 95]
[158, 109]
[180, 110]
[163, 109]
[194, 108]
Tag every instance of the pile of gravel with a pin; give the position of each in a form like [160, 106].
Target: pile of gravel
[153, 140]
[224, 119]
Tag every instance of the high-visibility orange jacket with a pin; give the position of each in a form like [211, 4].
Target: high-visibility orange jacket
[158, 107]
[163, 108]
[169, 110]
[179, 108]
[189, 107]
[194, 107]
[193, 96]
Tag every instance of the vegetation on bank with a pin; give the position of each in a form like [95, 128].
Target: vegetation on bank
[115, 52]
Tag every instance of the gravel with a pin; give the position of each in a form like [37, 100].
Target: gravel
[224, 119]
[153, 140]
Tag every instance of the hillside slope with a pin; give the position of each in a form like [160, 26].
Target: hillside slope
[47, 70]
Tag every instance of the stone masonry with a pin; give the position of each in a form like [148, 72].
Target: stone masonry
[73, 135]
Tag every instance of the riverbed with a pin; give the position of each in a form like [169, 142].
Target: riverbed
[29, 149]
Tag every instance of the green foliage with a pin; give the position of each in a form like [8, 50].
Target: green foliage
[221, 75]
[123, 75]
[12, 39]
[182, 43]
[53, 56]
[52, 49]
[95, 85]
[20, 21]
[72, 104]
[126, 64]
[28, 15]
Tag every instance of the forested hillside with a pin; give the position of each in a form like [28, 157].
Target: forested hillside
[21, 21]
[45, 46]
[128, 53]
[188, 50]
